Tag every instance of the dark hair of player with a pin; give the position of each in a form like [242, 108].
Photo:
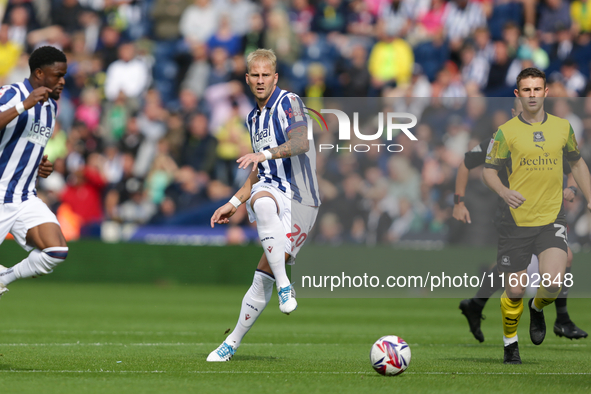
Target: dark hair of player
[45, 56]
[531, 72]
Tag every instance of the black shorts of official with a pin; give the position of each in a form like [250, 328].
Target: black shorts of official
[517, 244]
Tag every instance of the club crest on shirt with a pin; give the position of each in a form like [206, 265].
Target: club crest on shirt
[539, 136]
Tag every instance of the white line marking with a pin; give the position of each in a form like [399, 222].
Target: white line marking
[298, 372]
[553, 345]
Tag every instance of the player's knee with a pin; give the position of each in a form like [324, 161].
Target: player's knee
[515, 293]
[51, 257]
[264, 208]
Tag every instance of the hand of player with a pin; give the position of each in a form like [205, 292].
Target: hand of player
[253, 158]
[41, 94]
[461, 213]
[45, 167]
[513, 198]
[223, 214]
[568, 195]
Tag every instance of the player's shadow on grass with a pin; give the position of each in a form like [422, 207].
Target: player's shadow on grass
[247, 357]
[255, 358]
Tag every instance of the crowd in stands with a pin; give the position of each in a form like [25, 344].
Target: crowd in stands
[152, 117]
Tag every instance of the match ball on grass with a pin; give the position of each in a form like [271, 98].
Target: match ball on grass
[390, 355]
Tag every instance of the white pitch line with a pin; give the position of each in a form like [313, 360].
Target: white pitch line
[296, 372]
[553, 345]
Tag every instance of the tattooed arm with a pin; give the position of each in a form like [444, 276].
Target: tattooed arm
[298, 143]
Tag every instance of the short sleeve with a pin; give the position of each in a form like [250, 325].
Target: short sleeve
[477, 156]
[571, 149]
[294, 112]
[497, 152]
[8, 97]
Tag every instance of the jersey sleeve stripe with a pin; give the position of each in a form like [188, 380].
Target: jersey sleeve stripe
[296, 124]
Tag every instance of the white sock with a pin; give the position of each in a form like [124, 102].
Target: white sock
[272, 238]
[508, 341]
[7, 276]
[40, 262]
[254, 302]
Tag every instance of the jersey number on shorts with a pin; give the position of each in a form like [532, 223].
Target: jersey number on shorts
[561, 233]
[301, 236]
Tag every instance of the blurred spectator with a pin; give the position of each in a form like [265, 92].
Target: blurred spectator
[84, 189]
[108, 46]
[255, 37]
[530, 49]
[225, 37]
[114, 119]
[281, 38]
[475, 69]
[132, 139]
[9, 53]
[152, 124]
[430, 21]
[221, 66]
[221, 98]
[390, 61]
[89, 110]
[330, 17]
[301, 13]
[355, 77]
[197, 77]
[200, 147]
[554, 15]
[199, 21]
[18, 21]
[316, 86]
[166, 16]
[239, 13]
[128, 75]
[395, 18]
[161, 173]
[461, 19]
[574, 81]
[580, 12]
[233, 142]
[67, 15]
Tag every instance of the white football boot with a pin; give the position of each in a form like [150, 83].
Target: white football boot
[287, 301]
[224, 352]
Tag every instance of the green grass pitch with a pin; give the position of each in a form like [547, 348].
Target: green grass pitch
[106, 338]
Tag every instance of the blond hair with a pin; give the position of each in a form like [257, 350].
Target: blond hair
[265, 55]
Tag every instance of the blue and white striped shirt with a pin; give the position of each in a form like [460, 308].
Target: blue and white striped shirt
[22, 142]
[295, 176]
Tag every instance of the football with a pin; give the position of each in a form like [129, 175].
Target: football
[390, 355]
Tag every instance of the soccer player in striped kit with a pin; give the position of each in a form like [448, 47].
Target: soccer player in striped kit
[27, 119]
[281, 193]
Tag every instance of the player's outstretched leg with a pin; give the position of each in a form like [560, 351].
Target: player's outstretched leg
[564, 326]
[39, 262]
[272, 236]
[254, 302]
[537, 323]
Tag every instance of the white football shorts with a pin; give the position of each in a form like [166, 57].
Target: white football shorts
[18, 218]
[297, 219]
